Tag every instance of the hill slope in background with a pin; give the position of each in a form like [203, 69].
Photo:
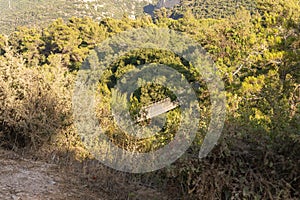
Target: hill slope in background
[167, 3]
[14, 13]
[207, 8]
[200, 8]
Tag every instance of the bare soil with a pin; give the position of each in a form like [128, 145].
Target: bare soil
[22, 178]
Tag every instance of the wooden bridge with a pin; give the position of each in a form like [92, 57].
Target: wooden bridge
[156, 108]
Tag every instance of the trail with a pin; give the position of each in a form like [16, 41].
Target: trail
[22, 179]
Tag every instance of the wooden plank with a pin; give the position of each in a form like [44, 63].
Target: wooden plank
[157, 108]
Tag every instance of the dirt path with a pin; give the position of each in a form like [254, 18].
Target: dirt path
[27, 179]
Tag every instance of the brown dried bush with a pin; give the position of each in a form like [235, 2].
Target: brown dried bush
[35, 102]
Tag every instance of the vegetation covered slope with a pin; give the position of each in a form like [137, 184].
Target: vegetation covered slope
[215, 9]
[257, 56]
[14, 13]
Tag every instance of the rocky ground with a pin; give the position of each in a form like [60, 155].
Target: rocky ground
[22, 178]
[26, 178]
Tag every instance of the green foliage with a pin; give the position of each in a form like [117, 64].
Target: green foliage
[145, 95]
[208, 8]
[257, 54]
[3, 44]
[28, 42]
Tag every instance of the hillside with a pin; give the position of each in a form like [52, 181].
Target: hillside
[16, 13]
[72, 93]
[40, 12]
[206, 8]
[217, 8]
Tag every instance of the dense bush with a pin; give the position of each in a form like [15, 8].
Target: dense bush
[35, 101]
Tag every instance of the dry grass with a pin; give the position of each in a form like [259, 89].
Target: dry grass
[34, 102]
